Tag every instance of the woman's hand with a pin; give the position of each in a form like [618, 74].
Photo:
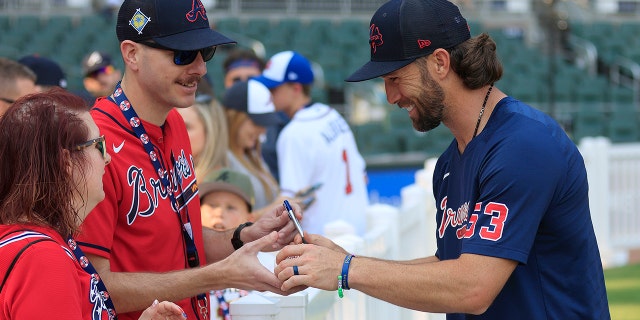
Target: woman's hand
[164, 310]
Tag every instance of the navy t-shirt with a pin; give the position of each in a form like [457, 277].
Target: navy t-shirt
[519, 191]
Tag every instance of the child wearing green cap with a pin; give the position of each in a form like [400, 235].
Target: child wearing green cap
[226, 199]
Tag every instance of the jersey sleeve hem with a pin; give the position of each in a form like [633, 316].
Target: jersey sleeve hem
[504, 253]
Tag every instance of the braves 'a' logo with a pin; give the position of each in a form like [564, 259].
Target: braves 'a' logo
[375, 37]
[196, 9]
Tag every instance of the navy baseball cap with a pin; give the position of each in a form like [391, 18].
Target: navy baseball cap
[254, 99]
[48, 72]
[174, 24]
[286, 66]
[403, 30]
[95, 61]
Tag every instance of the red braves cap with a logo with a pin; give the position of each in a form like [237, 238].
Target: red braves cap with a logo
[175, 24]
[403, 30]
[286, 66]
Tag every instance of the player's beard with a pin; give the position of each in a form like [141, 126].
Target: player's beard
[429, 104]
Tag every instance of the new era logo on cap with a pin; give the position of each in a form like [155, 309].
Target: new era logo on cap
[403, 30]
[286, 66]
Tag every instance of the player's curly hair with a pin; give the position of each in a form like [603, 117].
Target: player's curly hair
[37, 186]
[476, 61]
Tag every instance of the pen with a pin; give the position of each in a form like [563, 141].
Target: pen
[293, 217]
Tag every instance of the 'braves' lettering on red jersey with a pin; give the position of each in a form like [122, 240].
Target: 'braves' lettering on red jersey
[317, 146]
[519, 191]
[135, 226]
[47, 282]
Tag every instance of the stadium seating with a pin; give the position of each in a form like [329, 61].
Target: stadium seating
[586, 104]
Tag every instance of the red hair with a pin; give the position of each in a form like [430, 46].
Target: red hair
[38, 134]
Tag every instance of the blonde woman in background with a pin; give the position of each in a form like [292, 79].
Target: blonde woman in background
[249, 111]
[207, 128]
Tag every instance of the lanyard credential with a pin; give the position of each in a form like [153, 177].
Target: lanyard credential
[88, 268]
[120, 99]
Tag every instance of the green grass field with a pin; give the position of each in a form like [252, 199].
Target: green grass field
[623, 290]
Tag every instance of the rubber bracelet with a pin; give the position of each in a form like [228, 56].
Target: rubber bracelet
[345, 271]
[340, 293]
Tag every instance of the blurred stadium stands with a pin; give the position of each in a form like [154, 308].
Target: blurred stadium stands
[576, 60]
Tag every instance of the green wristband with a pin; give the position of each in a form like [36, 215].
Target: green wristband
[340, 293]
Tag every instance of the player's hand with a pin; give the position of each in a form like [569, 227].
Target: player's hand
[164, 310]
[319, 241]
[318, 263]
[278, 220]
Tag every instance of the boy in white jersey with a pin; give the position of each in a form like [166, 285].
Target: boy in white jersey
[316, 146]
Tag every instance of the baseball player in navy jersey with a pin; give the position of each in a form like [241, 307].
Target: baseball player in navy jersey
[514, 233]
[146, 237]
[315, 147]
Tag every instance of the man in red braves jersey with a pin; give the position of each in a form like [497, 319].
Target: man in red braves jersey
[146, 238]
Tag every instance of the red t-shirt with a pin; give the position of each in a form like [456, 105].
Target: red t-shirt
[47, 282]
[135, 226]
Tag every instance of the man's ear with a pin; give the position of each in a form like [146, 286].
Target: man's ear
[442, 60]
[130, 50]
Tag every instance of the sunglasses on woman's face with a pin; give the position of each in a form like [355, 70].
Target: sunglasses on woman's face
[183, 58]
[9, 101]
[98, 142]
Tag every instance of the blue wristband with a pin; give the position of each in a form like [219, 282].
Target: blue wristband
[345, 271]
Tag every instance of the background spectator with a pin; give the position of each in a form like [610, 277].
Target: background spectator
[100, 76]
[207, 128]
[248, 111]
[316, 147]
[49, 74]
[240, 65]
[16, 80]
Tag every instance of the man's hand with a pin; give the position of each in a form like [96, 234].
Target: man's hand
[319, 263]
[275, 219]
[243, 270]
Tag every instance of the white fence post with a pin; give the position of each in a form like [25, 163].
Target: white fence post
[595, 152]
[292, 307]
[255, 306]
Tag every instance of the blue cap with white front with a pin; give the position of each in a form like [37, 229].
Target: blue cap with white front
[286, 66]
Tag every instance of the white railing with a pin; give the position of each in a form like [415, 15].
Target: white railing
[407, 232]
[614, 196]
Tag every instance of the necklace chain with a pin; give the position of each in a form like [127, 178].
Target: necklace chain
[484, 104]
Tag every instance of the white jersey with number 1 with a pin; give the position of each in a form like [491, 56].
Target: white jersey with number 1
[317, 146]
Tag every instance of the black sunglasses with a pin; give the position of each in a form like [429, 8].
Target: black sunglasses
[183, 58]
[100, 144]
[9, 101]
